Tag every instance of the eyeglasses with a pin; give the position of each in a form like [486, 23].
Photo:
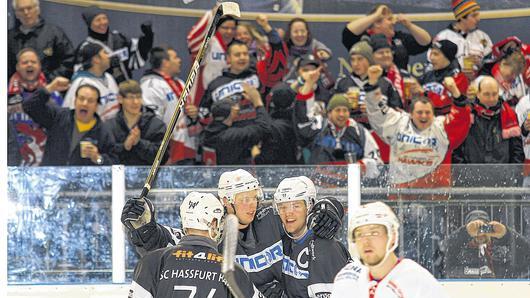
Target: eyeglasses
[133, 96]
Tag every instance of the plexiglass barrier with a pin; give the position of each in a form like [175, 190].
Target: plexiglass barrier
[59, 220]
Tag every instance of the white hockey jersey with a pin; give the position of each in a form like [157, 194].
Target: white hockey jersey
[476, 42]
[406, 280]
[416, 154]
[158, 95]
[108, 91]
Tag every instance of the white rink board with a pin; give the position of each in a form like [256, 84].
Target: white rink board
[455, 289]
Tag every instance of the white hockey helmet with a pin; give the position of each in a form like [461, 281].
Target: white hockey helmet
[295, 189]
[376, 213]
[238, 181]
[198, 210]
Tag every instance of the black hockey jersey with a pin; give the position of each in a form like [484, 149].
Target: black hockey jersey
[310, 265]
[190, 269]
[259, 249]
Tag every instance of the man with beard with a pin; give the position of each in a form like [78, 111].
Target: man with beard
[373, 238]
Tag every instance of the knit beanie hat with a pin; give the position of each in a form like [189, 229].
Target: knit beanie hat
[338, 100]
[447, 47]
[364, 49]
[462, 8]
[87, 52]
[477, 215]
[379, 41]
[221, 109]
[90, 13]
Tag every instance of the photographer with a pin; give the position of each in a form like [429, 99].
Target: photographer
[485, 249]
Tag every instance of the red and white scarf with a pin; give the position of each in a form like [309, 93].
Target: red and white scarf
[17, 84]
[510, 126]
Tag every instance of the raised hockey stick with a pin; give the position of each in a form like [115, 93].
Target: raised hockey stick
[231, 231]
[225, 8]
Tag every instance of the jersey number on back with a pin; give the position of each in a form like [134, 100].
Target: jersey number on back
[192, 290]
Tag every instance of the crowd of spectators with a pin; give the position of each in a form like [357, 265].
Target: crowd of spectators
[266, 96]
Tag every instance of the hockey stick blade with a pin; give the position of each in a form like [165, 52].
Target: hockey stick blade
[231, 231]
[231, 8]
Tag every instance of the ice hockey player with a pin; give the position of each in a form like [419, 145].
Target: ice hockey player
[309, 263]
[373, 238]
[192, 267]
[259, 250]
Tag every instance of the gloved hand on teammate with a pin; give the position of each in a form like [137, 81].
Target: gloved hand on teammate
[325, 218]
[272, 290]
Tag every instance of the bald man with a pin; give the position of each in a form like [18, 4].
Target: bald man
[490, 140]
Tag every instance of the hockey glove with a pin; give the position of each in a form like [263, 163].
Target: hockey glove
[147, 28]
[134, 214]
[272, 290]
[325, 218]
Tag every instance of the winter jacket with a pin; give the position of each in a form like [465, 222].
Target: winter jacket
[485, 144]
[59, 124]
[152, 132]
[279, 145]
[432, 83]
[129, 53]
[508, 257]
[232, 144]
[331, 145]
[54, 48]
